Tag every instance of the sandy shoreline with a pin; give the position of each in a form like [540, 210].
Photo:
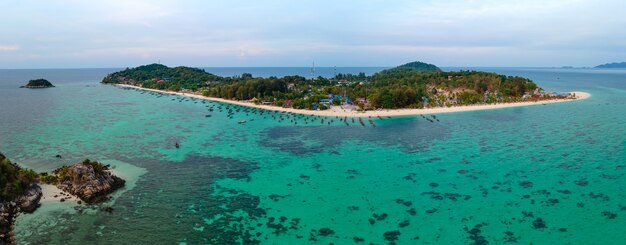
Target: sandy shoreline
[338, 111]
[51, 193]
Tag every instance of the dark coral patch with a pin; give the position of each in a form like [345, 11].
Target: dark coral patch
[609, 215]
[325, 232]
[539, 224]
[526, 184]
[391, 235]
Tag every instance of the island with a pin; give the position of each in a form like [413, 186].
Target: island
[408, 89]
[38, 83]
[612, 65]
[20, 189]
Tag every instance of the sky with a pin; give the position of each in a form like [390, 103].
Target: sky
[270, 33]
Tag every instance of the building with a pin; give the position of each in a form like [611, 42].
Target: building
[349, 101]
[326, 101]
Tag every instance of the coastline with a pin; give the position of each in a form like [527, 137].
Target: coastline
[336, 111]
[126, 171]
[51, 193]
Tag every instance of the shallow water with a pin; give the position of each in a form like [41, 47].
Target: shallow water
[537, 174]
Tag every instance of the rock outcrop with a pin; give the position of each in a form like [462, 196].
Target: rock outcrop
[7, 214]
[90, 181]
[38, 83]
[18, 192]
[29, 201]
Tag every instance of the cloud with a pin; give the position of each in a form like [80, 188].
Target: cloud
[9, 47]
[371, 32]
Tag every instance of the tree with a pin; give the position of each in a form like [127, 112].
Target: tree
[174, 87]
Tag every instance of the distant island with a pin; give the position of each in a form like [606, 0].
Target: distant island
[613, 65]
[38, 83]
[414, 85]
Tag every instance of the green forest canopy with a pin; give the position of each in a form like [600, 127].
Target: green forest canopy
[412, 85]
[13, 180]
[39, 83]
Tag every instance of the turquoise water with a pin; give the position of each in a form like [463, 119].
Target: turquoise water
[538, 174]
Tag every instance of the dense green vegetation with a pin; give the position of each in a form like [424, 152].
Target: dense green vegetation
[14, 181]
[413, 66]
[162, 77]
[412, 85]
[39, 83]
[98, 168]
[49, 179]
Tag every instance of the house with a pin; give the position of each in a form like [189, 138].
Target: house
[326, 101]
[349, 101]
[291, 86]
[361, 100]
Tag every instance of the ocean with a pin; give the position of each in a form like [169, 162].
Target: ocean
[544, 174]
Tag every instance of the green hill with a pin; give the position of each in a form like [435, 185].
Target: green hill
[613, 65]
[38, 83]
[162, 77]
[412, 85]
[416, 66]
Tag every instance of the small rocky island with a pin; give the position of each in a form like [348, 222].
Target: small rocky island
[90, 181]
[38, 83]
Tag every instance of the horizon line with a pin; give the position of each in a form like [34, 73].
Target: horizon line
[66, 68]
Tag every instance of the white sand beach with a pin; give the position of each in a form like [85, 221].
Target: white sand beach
[53, 194]
[338, 111]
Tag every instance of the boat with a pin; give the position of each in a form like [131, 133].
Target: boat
[242, 121]
[207, 115]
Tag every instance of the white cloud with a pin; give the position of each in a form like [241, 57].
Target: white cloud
[9, 47]
[373, 32]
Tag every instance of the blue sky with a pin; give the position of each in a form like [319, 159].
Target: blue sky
[121, 33]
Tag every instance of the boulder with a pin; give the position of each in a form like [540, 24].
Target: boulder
[90, 181]
[38, 83]
[29, 201]
[7, 214]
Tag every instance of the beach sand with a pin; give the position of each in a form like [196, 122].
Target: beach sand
[53, 194]
[339, 112]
